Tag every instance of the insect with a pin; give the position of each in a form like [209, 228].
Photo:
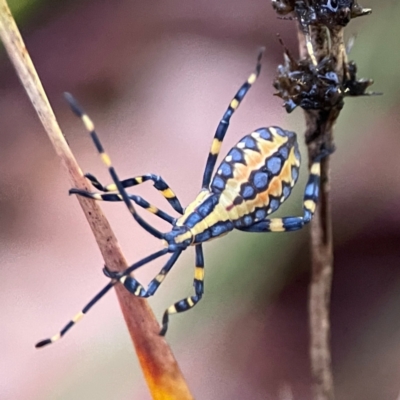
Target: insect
[253, 180]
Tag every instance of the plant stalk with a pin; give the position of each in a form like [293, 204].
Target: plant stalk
[159, 366]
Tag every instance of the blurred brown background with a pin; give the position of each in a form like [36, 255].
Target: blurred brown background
[156, 77]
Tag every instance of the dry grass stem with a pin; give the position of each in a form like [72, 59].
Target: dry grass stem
[320, 125]
[159, 366]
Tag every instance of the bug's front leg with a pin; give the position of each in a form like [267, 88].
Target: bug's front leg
[118, 197]
[134, 286]
[189, 302]
[158, 182]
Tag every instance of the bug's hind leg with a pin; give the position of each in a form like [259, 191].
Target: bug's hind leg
[311, 195]
[116, 277]
[136, 288]
[158, 182]
[224, 123]
[189, 302]
[117, 197]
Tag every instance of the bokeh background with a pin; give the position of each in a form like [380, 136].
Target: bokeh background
[156, 77]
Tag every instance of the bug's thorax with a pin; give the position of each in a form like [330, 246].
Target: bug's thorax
[204, 219]
[181, 233]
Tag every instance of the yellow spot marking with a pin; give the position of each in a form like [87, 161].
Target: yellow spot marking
[216, 146]
[171, 310]
[97, 196]
[112, 187]
[152, 209]
[232, 185]
[228, 158]
[241, 145]
[201, 226]
[273, 131]
[123, 279]
[234, 104]
[255, 135]
[267, 147]
[183, 237]
[275, 187]
[106, 159]
[219, 214]
[241, 174]
[310, 50]
[168, 193]
[139, 179]
[88, 123]
[252, 78]
[316, 169]
[199, 273]
[190, 302]
[160, 278]
[254, 160]
[137, 291]
[276, 225]
[78, 317]
[55, 337]
[310, 205]
[286, 172]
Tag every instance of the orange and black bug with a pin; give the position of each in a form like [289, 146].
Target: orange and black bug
[253, 180]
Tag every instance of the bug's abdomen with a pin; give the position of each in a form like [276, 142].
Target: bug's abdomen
[257, 175]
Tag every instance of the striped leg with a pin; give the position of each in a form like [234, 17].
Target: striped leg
[107, 161]
[96, 298]
[191, 301]
[159, 184]
[117, 197]
[134, 287]
[224, 123]
[311, 195]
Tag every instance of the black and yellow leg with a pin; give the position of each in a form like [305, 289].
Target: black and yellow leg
[224, 123]
[117, 197]
[96, 298]
[158, 183]
[136, 288]
[310, 201]
[189, 302]
[107, 161]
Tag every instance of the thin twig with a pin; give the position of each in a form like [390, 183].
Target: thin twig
[318, 82]
[320, 125]
[159, 366]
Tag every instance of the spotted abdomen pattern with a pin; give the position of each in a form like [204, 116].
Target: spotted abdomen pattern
[254, 179]
[257, 175]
